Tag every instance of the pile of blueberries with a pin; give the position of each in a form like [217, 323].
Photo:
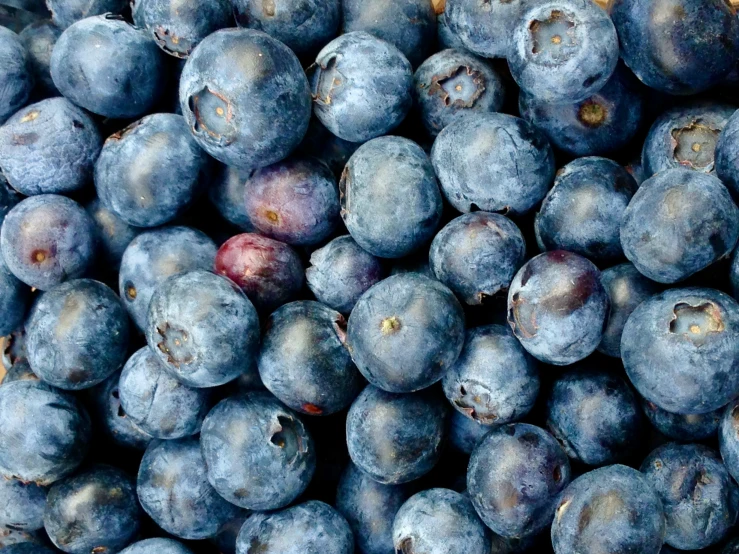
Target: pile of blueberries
[369, 276]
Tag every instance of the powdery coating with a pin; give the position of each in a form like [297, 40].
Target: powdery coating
[16, 80]
[678, 47]
[361, 86]
[679, 222]
[308, 527]
[113, 234]
[405, 332]
[47, 239]
[612, 508]
[438, 521]
[680, 349]
[49, 147]
[108, 67]
[226, 193]
[493, 162]
[728, 437]
[483, 27]
[95, 511]
[202, 328]
[682, 427]
[557, 307]
[22, 505]
[390, 199]
[726, 158]
[321, 143]
[157, 546]
[245, 98]
[66, 12]
[396, 438]
[39, 39]
[15, 298]
[340, 272]
[465, 433]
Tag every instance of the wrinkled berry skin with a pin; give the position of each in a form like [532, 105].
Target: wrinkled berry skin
[680, 349]
[682, 427]
[728, 437]
[700, 499]
[173, 489]
[258, 453]
[113, 234]
[405, 332]
[494, 380]
[22, 505]
[361, 86]
[678, 47]
[39, 39]
[340, 272]
[465, 433]
[202, 328]
[679, 222]
[369, 507]
[626, 288]
[49, 148]
[437, 521]
[108, 67]
[268, 271]
[155, 255]
[557, 307]
[77, 334]
[245, 98]
[151, 171]
[47, 239]
[67, 12]
[483, 27]
[16, 80]
[396, 438]
[226, 193]
[477, 254]
[15, 298]
[156, 546]
[294, 201]
[493, 162]
[95, 511]
[390, 199]
[304, 361]
[308, 527]
[611, 509]
[725, 156]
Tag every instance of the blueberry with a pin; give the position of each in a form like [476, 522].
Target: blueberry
[438, 521]
[9, 197]
[15, 298]
[725, 159]
[173, 489]
[680, 349]
[465, 433]
[682, 427]
[405, 332]
[202, 328]
[483, 27]
[557, 307]
[340, 272]
[39, 39]
[321, 143]
[390, 199]
[25, 547]
[156, 546]
[611, 509]
[22, 505]
[77, 334]
[308, 527]
[113, 234]
[155, 255]
[16, 80]
[108, 67]
[728, 437]
[245, 98]
[361, 86]
[493, 162]
[226, 193]
[445, 37]
[259, 454]
[67, 12]
[396, 438]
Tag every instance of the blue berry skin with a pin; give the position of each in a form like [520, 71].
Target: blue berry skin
[557, 307]
[108, 67]
[321, 143]
[15, 298]
[493, 162]
[611, 509]
[437, 521]
[582, 212]
[64, 13]
[465, 433]
[369, 507]
[245, 98]
[308, 527]
[725, 158]
[682, 427]
[678, 47]
[203, 328]
[39, 39]
[49, 148]
[626, 288]
[494, 380]
[728, 437]
[361, 86]
[700, 499]
[405, 332]
[24, 547]
[173, 489]
[340, 272]
[77, 334]
[16, 79]
[603, 123]
[22, 505]
[680, 349]
[95, 511]
[396, 438]
[259, 454]
[226, 193]
[47, 239]
[113, 234]
[445, 37]
[155, 255]
[668, 249]
[483, 27]
[390, 199]
[514, 477]
[156, 546]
